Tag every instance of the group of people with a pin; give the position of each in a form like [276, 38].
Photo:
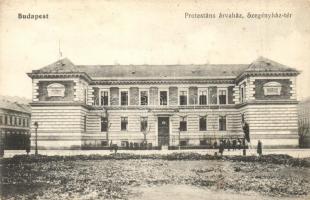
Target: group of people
[235, 144]
[229, 144]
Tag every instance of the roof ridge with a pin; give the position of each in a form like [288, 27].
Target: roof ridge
[261, 64]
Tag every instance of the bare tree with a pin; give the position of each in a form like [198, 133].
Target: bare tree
[303, 131]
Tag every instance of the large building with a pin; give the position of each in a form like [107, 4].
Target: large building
[15, 120]
[80, 106]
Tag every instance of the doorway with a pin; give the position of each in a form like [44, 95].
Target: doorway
[163, 131]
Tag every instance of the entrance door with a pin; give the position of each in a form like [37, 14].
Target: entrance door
[163, 131]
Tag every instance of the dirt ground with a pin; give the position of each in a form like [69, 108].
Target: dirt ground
[153, 179]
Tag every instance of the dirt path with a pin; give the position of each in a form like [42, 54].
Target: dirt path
[185, 192]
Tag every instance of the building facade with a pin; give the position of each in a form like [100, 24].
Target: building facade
[304, 123]
[15, 120]
[80, 106]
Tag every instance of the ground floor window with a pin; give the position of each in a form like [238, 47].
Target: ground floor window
[183, 124]
[183, 142]
[85, 119]
[222, 123]
[143, 124]
[124, 123]
[203, 123]
[104, 124]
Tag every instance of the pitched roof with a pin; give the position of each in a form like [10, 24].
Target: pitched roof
[163, 71]
[262, 64]
[14, 106]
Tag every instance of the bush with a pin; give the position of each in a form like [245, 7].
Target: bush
[272, 158]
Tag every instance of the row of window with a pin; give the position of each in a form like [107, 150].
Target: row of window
[14, 121]
[163, 97]
[182, 127]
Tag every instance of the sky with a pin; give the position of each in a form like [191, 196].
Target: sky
[149, 32]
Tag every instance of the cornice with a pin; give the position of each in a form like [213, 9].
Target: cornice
[174, 108]
[267, 102]
[265, 73]
[51, 103]
[83, 75]
[165, 81]
[199, 80]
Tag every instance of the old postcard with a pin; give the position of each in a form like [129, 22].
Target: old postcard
[155, 99]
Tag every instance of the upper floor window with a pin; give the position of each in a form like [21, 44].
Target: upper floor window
[104, 124]
[272, 88]
[11, 120]
[124, 123]
[203, 123]
[183, 97]
[19, 121]
[85, 95]
[242, 93]
[222, 96]
[203, 97]
[183, 124]
[143, 124]
[163, 98]
[15, 120]
[1, 119]
[104, 98]
[143, 97]
[222, 123]
[5, 120]
[24, 122]
[124, 98]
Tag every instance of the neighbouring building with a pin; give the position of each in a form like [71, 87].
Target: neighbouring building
[15, 120]
[304, 123]
[79, 106]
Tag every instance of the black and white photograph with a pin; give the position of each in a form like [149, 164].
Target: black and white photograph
[155, 100]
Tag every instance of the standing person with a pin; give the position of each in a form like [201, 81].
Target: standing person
[228, 144]
[28, 144]
[111, 146]
[1, 148]
[115, 147]
[221, 148]
[259, 148]
[234, 144]
[215, 144]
